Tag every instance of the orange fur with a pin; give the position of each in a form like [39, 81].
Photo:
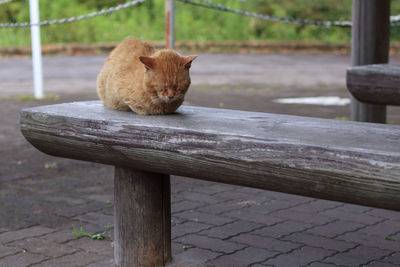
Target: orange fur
[135, 76]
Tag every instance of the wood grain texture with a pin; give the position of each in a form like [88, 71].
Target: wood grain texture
[329, 159]
[369, 45]
[375, 84]
[142, 219]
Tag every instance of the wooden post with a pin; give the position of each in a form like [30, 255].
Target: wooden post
[370, 45]
[170, 24]
[142, 220]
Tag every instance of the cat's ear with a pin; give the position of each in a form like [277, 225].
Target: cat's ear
[148, 62]
[187, 61]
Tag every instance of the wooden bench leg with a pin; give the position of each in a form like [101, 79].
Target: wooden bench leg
[142, 219]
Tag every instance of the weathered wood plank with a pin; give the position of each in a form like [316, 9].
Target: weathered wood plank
[375, 84]
[338, 160]
[142, 219]
[369, 45]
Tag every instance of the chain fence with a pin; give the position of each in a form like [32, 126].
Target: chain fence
[394, 20]
[71, 19]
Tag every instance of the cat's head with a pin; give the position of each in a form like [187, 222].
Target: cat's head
[167, 75]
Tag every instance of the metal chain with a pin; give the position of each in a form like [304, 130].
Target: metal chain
[71, 19]
[5, 1]
[395, 20]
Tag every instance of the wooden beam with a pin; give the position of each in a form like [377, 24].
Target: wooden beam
[370, 45]
[329, 159]
[375, 84]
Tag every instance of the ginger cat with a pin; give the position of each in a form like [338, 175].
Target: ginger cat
[135, 76]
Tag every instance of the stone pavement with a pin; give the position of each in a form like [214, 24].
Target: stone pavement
[213, 224]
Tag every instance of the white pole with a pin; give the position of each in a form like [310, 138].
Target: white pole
[36, 49]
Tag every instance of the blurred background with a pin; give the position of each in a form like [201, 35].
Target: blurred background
[193, 23]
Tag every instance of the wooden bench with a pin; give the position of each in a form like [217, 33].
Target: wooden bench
[375, 84]
[329, 159]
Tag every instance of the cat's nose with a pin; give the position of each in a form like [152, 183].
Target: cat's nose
[170, 94]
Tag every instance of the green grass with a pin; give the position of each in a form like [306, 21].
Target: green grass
[31, 97]
[146, 21]
[81, 234]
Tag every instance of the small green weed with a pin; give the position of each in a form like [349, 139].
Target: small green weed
[391, 239]
[51, 165]
[81, 233]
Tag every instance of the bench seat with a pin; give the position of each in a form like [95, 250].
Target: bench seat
[345, 161]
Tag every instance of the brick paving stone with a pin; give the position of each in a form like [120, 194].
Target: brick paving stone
[96, 218]
[77, 259]
[197, 216]
[387, 214]
[351, 216]
[271, 206]
[105, 198]
[243, 257]
[295, 199]
[302, 216]
[22, 260]
[210, 243]
[393, 258]
[371, 241]
[268, 243]
[395, 237]
[300, 257]
[65, 200]
[217, 209]
[253, 191]
[381, 264]
[317, 206]
[46, 219]
[322, 264]
[177, 248]
[200, 197]
[357, 256]
[8, 250]
[102, 263]
[246, 215]
[214, 188]
[187, 228]
[230, 229]
[100, 247]
[196, 255]
[60, 237]
[240, 196]
[355, 208]
[91, 189]
[43, 247]
[282, 229]
[386, 228]
[319, 241]
[72, 211]
[185, 205]
[175, 220]
[335, 228]
[24, 233]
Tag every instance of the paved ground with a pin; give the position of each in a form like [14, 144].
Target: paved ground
[42, 197]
